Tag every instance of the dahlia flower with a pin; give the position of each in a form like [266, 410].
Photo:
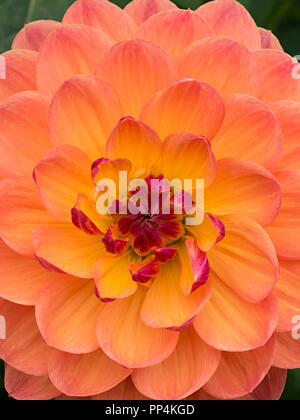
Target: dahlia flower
[147, 306]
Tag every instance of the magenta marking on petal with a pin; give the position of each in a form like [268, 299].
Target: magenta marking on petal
[48, 266]
[146, 272]
[171, 229]
[199, 263]
[165, 254]
[114, 245]
[183, 326]
[83, 223]
[219, 225]
[141, 245]
[96, 165]
[104, 300]
[152, 235]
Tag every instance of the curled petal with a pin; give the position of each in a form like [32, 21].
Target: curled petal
[187, 147]
[194, 266]
[145, 271]
[136, 142]
[102, 15]
[33, 35]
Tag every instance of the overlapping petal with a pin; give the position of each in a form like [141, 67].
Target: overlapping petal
[227, 58]
[141, 10]
[102, 15]
[33, 35]
[146, 69]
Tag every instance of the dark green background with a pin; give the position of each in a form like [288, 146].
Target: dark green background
[282, 16]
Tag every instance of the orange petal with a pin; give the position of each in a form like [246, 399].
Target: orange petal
[60, 175]
[136, 142]
[20, 72]
[188, 368]
[20, 278]
[84, 375]
[227, 58]
[285, 229]
[102, 15]
[180, 105]
[21, 211]
[174, 30]
[285, 112]
[240, 373]
[187, 147]
[23, 348]
[278, 69]
[269, 40]
[238, 325]
[83, 113]
[125, 391]
[64, 305]
[245, 259]
[141, 10]
[287, 351]
[23, 144]
[287, 292]
[21, 386]
[126, 339]
[64, 50]
[206, 234]
[68, 249]
[244, 187]
[113, 278]
[86, 217]
[146, 69]
[33, 35]
[157, 311]
[249, 131]
[230, 19]
[271, 388]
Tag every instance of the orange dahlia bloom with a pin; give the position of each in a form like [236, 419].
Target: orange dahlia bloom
[138, 306]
